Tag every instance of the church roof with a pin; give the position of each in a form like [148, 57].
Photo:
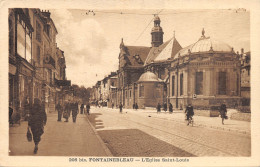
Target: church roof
[154, 52]
[133, 51]
[149, 77]
[205, 44]
[169, 51]
[165, 51]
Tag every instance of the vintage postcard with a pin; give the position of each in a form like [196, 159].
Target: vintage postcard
[129, 83]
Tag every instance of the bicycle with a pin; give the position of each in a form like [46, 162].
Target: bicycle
[190, 121]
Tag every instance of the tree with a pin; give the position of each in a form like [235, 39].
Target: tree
[82, 93]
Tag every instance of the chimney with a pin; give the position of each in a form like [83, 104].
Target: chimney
[46, 13]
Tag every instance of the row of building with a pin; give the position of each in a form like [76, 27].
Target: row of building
[205, 73]
[37, 67]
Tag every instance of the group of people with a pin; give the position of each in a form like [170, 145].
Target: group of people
[68, 108]
[158, 107]
[37, 118]
[189, 111]
[222, 111]
[135, 106]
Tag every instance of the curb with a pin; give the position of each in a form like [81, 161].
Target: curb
[211, 126]
[100, 140]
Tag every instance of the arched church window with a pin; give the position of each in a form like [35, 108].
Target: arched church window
[141, 91]
[199, 83]
[222, 83]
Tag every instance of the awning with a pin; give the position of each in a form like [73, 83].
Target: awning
[63, 82]
[12, 69]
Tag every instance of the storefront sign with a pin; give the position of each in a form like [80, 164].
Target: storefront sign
[63, 82]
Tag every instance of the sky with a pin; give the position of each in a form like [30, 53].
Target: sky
[91, 42]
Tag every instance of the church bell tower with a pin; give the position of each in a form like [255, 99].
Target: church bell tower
[157, 32]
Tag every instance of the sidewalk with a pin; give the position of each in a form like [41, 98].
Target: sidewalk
[59, 139]
[208, 122]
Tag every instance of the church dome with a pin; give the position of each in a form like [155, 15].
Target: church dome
[205, 44]
[148, 77]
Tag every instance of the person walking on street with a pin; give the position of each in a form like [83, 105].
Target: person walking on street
[120, 108]
[75, 111]
[170, 108]
[88, 108]
[81, 108]
[66, 112]
[112, 105]
[37, 121]
[10, 114]
[223, 112]
[136, 106]
[165, 106]
[158, 108]
[59, 109]
[189, 112]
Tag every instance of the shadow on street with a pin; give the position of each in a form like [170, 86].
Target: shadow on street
[136, 143]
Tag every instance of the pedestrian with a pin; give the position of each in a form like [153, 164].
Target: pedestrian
[37, 121]
[223, 112]
[66, 112]
[75, 111]
[136, 106]
[170, 108]
[120, 108]
[59, 109]
[158, 108]
[70, 108]
[112, 105]
[189, 112]
[81, 108]
[10, 114]
[165, 106]
[88, 108]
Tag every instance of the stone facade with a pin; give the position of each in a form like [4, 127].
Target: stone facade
[33, 59]
[205, 77]
[150, 90]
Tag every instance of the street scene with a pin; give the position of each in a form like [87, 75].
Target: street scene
[129, 83]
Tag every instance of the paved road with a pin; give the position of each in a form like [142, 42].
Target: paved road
[145, 134]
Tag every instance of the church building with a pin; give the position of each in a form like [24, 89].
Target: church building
[205, 73]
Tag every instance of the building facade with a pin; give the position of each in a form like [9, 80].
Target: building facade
[206, 73]
[245, 79]
[33, 60]
[21, 66]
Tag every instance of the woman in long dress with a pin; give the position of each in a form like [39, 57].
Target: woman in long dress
[37, 121]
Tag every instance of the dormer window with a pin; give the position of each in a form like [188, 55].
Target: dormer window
[138, 59]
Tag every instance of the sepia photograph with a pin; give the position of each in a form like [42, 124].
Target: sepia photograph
[119, 86]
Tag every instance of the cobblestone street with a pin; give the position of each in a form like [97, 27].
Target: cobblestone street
[128, 134]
